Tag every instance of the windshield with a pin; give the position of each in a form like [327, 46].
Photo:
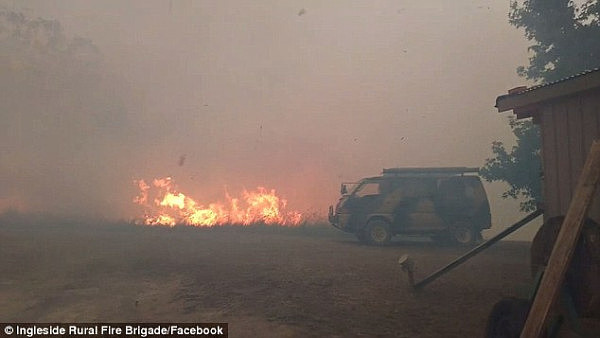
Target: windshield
[367, 189]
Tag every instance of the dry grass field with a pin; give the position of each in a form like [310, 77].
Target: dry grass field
[263, 281]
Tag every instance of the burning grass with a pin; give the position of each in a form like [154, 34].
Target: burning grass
[165, 204]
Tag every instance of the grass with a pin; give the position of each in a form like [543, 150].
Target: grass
[15, 219]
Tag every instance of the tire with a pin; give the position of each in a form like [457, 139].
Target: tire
[462, 234]
[377, 232]
[507, 318]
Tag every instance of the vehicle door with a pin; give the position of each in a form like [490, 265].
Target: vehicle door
[455, 199]
[364, 201]
[418, 210]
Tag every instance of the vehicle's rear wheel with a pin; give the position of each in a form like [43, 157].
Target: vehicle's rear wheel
[378, 232]
[463, 234]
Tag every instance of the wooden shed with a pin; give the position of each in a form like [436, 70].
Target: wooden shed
[568, 113]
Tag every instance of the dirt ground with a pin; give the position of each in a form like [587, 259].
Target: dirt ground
[270, 282]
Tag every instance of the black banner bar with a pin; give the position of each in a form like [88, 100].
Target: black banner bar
[30, 330]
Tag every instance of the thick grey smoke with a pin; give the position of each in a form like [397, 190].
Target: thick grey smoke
[295, 96]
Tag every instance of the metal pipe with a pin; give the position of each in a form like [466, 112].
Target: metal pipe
[478, 249]
[408, 266]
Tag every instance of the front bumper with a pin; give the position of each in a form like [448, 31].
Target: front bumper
[333, 218]
[338, 220]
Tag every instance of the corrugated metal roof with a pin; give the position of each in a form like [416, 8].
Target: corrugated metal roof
[532, 88]
[526, 98]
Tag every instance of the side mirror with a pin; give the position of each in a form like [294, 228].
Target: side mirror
[343, 189]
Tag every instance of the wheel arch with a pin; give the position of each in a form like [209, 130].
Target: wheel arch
[379, 217]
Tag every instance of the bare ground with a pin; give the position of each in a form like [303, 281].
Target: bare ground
[312, 281]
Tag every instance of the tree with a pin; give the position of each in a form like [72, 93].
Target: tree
[40, 46]
[521, 167]
[566, 42]
[566, 37]
[60, 117]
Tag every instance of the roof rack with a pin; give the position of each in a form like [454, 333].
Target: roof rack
[429, 171]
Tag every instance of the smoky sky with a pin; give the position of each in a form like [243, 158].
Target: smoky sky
[295, 96]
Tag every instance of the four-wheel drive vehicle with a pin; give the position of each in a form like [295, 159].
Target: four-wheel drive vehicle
[446, 204]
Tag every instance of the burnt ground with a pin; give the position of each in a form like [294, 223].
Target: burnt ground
[311, 281]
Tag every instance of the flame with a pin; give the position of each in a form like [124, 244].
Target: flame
[171, 207]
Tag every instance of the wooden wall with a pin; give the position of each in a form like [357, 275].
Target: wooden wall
[568, 127]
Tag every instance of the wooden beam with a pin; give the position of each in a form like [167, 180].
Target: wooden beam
[564, 246]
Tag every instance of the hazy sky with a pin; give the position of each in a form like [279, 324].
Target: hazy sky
[295, 95]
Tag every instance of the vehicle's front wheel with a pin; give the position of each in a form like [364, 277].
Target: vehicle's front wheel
[378, 232]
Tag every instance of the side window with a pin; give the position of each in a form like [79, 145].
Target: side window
[475, 190]
[367, 189]
[419, 188]
[450, 185]
[452, 189]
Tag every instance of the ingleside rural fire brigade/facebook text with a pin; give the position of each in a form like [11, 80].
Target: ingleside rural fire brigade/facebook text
[139, 330]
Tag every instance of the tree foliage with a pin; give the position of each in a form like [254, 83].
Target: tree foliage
[566, 41]
[60, 114]
[566, 37]
[41, 46]
[520, 166]
[47, 78]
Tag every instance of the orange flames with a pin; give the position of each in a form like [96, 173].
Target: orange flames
[170, 207]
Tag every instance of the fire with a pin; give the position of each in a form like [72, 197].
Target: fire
[170, 207]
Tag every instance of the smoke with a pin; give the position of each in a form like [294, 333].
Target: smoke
[248, 93]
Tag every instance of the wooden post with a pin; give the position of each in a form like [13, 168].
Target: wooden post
[564, 247]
